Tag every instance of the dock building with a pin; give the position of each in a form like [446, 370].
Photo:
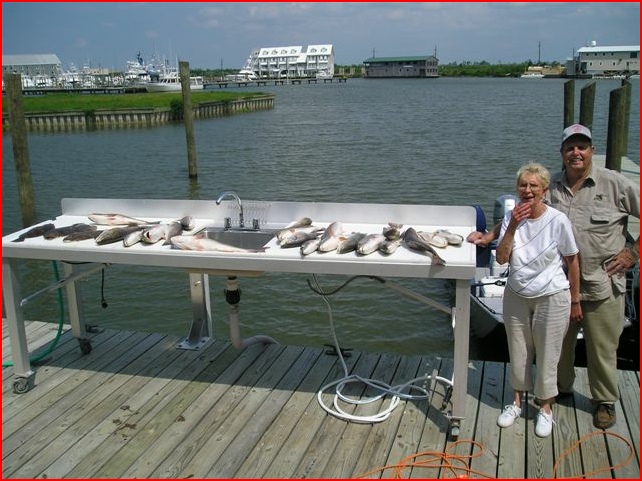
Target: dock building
[292, 61]
[425, 66]
[34, 68]
[606, 61]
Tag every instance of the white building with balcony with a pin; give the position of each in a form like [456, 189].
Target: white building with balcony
[291, 61]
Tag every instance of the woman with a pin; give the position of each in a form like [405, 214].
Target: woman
[540, 297]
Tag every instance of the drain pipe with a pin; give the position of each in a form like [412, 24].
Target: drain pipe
[233, 297]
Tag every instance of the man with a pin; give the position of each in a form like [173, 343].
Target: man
[598, 202]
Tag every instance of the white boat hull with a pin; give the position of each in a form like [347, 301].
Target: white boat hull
[174, 85]
[487, 296]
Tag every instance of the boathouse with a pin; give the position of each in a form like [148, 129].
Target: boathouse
[33, 68]
[596, 60]
[425, 66]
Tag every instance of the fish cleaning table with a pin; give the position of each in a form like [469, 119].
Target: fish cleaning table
[367, 218]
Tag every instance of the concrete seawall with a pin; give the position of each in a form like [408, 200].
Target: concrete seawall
[128, 118]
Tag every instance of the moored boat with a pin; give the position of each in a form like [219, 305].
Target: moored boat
[172, 83]
[532, 75]
[324, 74]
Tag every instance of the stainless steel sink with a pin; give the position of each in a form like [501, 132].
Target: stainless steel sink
[243, 238]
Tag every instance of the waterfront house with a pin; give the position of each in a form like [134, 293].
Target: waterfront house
[292, 61]
[425, 66]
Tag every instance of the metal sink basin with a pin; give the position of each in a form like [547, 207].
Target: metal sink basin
[243, 238]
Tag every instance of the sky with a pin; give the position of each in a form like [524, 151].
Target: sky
[209, 35]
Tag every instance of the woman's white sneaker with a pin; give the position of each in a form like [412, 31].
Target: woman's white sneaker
[508, 415]
[544, 424]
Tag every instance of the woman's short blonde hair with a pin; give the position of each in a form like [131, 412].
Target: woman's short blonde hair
[535, 169]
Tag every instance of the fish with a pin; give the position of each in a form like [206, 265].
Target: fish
[349, 244]
[285, 234]
[310, 246]
[293, 227]
[81, 235]
[393, 231]
[157, 233]
[187, 222]
[452, 238]
[115, 234]
[413, 241]
[35, 232]
[70, 229]
[389, 246]
[302, 222]
[154, 234]
[199, 242]
[434, 239]
[117, 219]
[133, 237]
[370, 243]
[173, 229]
[299, 237]
[331, 237]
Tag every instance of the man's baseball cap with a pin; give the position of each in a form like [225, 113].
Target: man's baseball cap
[576, 129]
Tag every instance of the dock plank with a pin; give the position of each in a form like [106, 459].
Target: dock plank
[283, 426]
[135, 406]
[236, 452]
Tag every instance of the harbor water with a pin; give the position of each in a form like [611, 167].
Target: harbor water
[450, 141]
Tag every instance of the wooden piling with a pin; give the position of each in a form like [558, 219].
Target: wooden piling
[587, 104]
[626, 85]
[188, 119]
[616, 127]
[13, 84]
[569, 103]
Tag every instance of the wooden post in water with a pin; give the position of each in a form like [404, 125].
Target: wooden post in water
[617, 125]
[587, 104]
[188, 119]
[626, 85]
[20, 148]
[569, 103]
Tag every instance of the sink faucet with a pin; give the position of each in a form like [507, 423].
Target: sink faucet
[231, 193]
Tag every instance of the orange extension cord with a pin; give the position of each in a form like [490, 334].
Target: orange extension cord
[459, 465]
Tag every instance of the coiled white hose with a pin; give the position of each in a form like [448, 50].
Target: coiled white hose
[398, 392]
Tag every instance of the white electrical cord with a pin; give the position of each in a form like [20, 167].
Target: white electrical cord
[397, 392]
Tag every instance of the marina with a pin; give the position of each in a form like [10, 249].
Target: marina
[138, 407]
[219, 416]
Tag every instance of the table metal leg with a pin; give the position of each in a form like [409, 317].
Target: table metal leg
[462, 333]
[200, 332]
[25, 377]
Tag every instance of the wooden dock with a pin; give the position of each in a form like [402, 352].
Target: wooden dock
[265, 82]
[136, 406]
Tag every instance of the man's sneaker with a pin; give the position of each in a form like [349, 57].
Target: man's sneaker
[604, 416]
[544, 424]
[508, 415]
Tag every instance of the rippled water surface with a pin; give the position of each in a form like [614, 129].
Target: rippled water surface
[434, 141]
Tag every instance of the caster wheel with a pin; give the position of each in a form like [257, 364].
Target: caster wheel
[21, 385]
[454, 433]
[85, 345]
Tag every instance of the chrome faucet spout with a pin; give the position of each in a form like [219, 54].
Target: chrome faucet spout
[231, 193]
